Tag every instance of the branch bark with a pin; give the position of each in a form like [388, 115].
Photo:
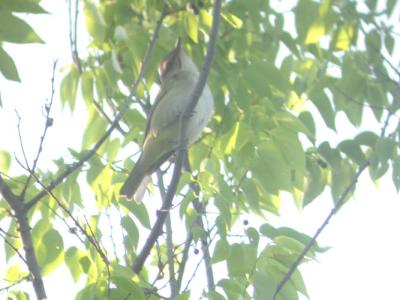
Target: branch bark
[183, 119]
[20, 211]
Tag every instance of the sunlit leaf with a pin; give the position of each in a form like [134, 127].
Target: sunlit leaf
[16, 30]
[7, 66]
[191, 26]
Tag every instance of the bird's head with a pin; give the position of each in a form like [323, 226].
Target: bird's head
[177, 60]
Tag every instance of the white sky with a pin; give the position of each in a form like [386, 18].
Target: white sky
[364, 261]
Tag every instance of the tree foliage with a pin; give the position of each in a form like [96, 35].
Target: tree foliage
[281, 79]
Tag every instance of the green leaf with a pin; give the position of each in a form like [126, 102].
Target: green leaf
[243, 253]
[87, 83]
[366, 138]
[265, 286]
[389, 43]
[131, 229]
[69, 87]
[54, 245]
[306, 12]
[25, 6]
[307, 119]
[342, 175]
[270, 169]
[183, 296]
[315, 183]
[191, 26]
[96, 127]
[373, 43]
[315, 32]
[234, 21]
[16, 30]
[385, 148]
[126, 284]
[234, 140]
[250, 191]
[396, 173]
[7, 66]
[324, 106]
[5, 161]
[353, 151]
[72, 256]
[213, 295]
[268, 230]
[221, 251]
[139, 210]
[95, 23]
[345, 36]
[293, 245]
[293, 152]
[233, 288]
[376, 99]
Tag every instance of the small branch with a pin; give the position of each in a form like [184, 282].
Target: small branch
[73, 167]
[48, 123]
[185, 256]
[204, 237]
[21, 143]
[170, 242]
[14, 248]
[194, 98]
[91, 237]
[104, 114]
[205, 245]
[73, 34]
[311, 242]
[11, 285]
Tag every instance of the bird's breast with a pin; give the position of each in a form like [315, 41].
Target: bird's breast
[176, 93]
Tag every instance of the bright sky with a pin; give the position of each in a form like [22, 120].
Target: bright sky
[364, 261]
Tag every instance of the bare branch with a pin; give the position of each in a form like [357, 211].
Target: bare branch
[48, 123]
[184, 117]
[311, 242]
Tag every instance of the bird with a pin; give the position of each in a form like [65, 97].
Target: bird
[178, 77]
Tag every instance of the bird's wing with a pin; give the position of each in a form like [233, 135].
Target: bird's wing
[161, 95]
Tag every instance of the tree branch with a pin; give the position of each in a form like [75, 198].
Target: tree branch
[170, 243]
[24, 229]
[183, 119]
[311, 242]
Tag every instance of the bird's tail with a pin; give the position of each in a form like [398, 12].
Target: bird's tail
[133, 182]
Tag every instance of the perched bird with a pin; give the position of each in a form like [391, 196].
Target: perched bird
[178, 76]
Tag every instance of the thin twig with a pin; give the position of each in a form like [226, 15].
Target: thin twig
[185, 256]
[48, 123]
[73, 34]
[170, 242]
[6, 288]
[200, 208]
[16, 250]
[104, 114]
[181, 150]
[91, 237]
